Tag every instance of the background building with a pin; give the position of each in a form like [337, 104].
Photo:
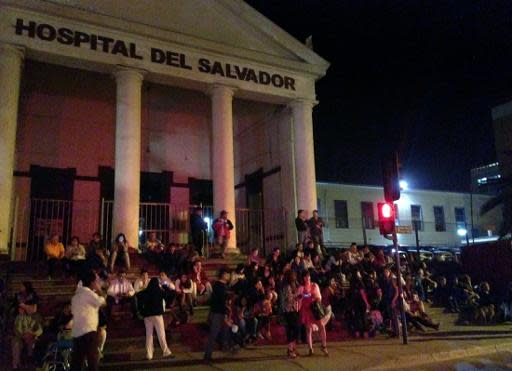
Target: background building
[486, 179]
[502, 122]
[351, 215]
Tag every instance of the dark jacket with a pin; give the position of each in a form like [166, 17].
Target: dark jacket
[197, 224]
[316, 226]
[219, 298]
[150, 303]
[301, 225]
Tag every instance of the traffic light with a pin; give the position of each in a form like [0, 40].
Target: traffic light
[390, 177]
[386, 218]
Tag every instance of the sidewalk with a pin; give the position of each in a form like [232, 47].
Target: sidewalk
[456, 342]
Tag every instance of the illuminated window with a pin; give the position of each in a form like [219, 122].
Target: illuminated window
[460, 217]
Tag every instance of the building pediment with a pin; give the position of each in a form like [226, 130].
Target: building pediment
[230, 27]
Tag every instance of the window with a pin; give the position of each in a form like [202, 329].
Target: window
[367, 215]
[340, 213]
[460, 217]
[417, 217]
[439, 221]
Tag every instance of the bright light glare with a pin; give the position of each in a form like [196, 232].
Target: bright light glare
[403, 185]
[461, 232]
[141, 232]
[387, 211]
[393, 251]
[207, 220]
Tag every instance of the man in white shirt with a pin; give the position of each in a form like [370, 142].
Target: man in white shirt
[120, 291]
[142, 282]
[354, 256]
[84, 307]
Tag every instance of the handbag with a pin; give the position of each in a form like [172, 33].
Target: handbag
[318, 310]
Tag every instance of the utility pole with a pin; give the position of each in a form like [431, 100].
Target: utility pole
[387, 222]
[364, 230]
[415, 223]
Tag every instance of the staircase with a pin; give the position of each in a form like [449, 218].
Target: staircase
[125, 344]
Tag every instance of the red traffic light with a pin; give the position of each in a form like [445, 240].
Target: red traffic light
[386, 218]
[387, 211]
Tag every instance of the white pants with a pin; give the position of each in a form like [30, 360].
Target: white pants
[157, 323]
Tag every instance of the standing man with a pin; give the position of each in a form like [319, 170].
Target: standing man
[222, 227]
[301, 225]
[84, 307]
[316, 225]
[218, 310]
[198, 230]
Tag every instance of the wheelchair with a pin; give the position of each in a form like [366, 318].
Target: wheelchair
[58, 355]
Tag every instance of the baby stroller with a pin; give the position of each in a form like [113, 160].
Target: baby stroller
[58, 355]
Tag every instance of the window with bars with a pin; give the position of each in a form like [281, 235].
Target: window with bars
[368, 215]
[460, 217]
[341, 213]
[439, 221]
[417, 217]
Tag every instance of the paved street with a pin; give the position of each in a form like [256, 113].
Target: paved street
[423, 353]
[446, 349]
[494, 362]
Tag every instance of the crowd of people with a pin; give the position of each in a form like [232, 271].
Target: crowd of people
[306, 289]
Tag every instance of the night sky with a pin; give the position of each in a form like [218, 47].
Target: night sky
[420, 76]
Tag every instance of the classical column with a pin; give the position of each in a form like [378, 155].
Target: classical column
[10, 74]
[223, 172]
[304, 153]
[127, 154]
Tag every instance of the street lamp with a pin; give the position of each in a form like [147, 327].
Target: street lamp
[403, 185]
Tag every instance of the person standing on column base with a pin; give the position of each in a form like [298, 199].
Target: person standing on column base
[316, 226]
[301, 225]
[198, 230]
[222, 227]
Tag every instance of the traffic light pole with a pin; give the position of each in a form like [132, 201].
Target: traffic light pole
[400, 289]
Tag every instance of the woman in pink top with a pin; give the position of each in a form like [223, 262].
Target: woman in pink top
[309, 292]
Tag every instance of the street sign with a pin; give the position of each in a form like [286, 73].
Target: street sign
[403, 229]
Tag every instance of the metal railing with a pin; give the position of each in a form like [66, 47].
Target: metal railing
[264, 228]
[37, 219]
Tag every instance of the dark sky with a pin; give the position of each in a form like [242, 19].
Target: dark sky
[418, 75]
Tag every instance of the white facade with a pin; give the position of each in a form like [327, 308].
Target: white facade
[445, 235]
[209, 90]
